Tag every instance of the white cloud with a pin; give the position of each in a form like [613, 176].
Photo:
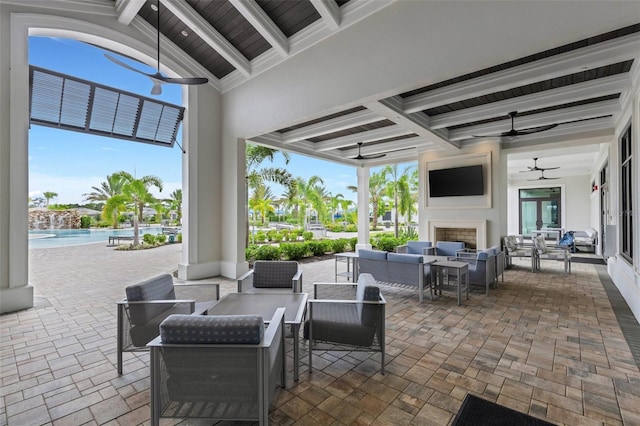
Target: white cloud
[69, 189]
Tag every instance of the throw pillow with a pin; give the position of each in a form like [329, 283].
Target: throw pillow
[540, 244]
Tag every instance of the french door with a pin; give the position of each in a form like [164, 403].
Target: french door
[539, 208]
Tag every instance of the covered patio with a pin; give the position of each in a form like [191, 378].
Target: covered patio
[547, 344]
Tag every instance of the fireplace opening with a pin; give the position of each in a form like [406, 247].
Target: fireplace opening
[465, 235]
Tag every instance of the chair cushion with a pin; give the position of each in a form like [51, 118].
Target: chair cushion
[372, 254]
[511, 243]
[415, 247]
[405, 258]
[212, 329]
[590, 232]
[540, 244]
[448, 248]
[274, 274]
[157, 288]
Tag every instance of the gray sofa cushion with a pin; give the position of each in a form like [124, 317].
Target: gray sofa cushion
[405, 257]
[372, 254]
[205, 329]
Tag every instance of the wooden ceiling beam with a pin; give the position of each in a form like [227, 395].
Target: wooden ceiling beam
[366, 136]
[263, 24]
[337, 124]
[128, 9]
[592, 56]
[329, 11]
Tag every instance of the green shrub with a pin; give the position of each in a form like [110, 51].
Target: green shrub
[85, 222]
[351, 228]
[319, 247]
[179, 237]
[268, 252]
[339, 245]
[103, 224]
[352, 243]
[307, 235]
[149, 239]
[251, 252]
[271, 234]
[294, 251]
[161, 238]
[385, 241]
[260, 237]
[285, 234]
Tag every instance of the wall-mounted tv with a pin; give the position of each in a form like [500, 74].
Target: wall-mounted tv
[456, 182]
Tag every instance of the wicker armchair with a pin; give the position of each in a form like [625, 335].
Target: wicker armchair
[225, 367]
[272, 275]
[348, 325]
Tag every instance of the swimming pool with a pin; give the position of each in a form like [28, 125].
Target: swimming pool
[70, 237]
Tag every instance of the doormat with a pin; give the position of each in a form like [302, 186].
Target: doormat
[480, 412]
[592, 260]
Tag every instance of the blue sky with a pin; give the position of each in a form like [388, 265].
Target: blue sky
[70, 163]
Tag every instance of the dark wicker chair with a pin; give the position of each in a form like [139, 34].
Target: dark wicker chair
[348, 324]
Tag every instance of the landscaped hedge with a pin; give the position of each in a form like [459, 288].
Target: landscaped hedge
[298, 250]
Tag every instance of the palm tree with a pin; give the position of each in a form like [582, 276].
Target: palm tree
[256, 155]
[309, 196]
[335, 202]
[49, 195]
[102, 194]
[377, 186]
[137, 192]
[175, 200]
[398, 189]
[261, 201]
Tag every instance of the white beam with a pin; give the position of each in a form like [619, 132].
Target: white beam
[589, 57]
[416, 123]
[329, 11]
[263, 24]
[355, 119]
[206, 32]
[366, 136]
[128, 9]
[575, 92]
[581, 112]
[387, 147]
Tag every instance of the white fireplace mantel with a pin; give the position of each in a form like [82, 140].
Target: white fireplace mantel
[479, 225]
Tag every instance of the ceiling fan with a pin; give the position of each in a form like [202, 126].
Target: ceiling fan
[157, 78]
[514, 132]
[543, 177]
[366, 157]
[535, 167]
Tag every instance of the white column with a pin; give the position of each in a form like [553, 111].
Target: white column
[363, 208]
[201, 184]
[15, 291]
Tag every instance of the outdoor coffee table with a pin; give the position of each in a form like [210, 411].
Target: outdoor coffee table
[462, 269]
[265, 304]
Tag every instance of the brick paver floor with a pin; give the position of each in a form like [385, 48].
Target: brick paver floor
[547, 344]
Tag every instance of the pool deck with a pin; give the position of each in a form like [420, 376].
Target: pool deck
[545, 343]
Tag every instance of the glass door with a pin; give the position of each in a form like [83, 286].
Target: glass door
[539, 208]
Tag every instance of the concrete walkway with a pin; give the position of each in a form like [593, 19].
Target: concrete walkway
[545, 343]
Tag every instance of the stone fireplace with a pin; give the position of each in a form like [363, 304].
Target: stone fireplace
[472, 232]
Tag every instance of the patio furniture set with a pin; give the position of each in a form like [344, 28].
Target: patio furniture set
[224, 359]
[537, 250]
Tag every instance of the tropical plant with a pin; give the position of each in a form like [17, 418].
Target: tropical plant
[175, 203]
[294, 251]
[310, 196]
[48, 195]
[102, 194]
[377, 190]
[136, 191]
[398, 189]
[261, 201]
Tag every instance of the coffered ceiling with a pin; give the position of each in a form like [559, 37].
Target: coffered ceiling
[579, 87]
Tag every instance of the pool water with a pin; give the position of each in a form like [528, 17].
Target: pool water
[69, 237]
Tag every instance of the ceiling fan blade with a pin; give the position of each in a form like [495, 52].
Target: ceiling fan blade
[125, 65]
[186, 80]
[366, 157]
[536, 129]
[547, 168]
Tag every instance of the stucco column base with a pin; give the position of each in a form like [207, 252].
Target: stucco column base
[16, 299]
[197, 271]
[363, 246]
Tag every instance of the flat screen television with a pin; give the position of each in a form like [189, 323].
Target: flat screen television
[456, 182]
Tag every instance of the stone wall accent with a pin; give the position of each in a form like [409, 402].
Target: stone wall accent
[42, 219]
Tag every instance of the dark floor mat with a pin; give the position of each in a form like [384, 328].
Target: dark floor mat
[592, 260]
[480, 412]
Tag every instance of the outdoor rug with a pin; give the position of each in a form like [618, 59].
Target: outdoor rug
[480, 412]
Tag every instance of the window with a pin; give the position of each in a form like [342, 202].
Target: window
[626, 196]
